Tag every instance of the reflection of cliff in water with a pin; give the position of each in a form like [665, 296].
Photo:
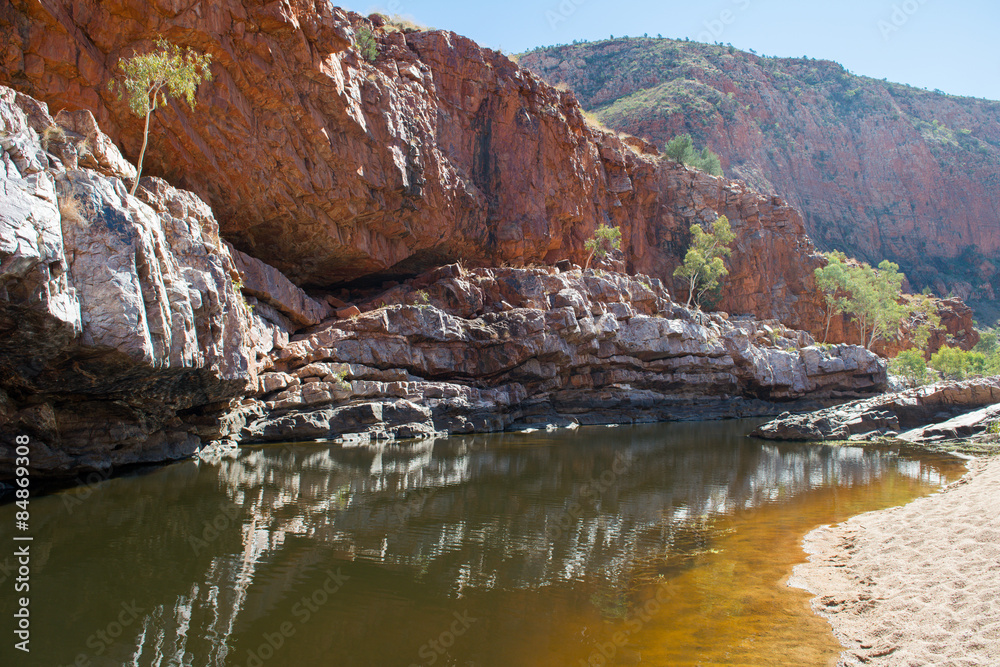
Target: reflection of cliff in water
[212, 552]
[516, 511]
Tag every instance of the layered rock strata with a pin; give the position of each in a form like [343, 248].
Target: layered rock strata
[944, 410]
[489, 349]
[134, 334]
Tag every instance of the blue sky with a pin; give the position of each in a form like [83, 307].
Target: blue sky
[945, 44]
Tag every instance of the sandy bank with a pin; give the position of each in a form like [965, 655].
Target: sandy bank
[914, 585]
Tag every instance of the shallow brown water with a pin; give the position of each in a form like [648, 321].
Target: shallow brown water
[651, 545]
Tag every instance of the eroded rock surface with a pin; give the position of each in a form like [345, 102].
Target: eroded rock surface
[132, 332]
[118, 314]
[924, 413]
[489, 349]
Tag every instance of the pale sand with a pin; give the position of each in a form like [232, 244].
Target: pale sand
[914, 585]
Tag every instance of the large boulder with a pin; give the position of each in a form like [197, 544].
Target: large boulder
[924, 413]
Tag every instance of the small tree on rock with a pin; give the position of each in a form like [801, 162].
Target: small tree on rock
[682, 149]
[364, 42]
[924, 319]
[831, 280]
[703, 264]
[604, 240]
[150, 78]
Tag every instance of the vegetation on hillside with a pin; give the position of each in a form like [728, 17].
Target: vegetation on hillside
[950, 363]
[656, 88]
[873, 298]
[681, 149]
[365, 44]
[402, 23]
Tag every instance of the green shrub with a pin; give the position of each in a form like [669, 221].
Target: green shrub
[951, 362]
[364, 42]
[987, 342]
[604, 240]
[909, 364]
[339, 379]
[976, 364]
[958, 364]
[681, 149]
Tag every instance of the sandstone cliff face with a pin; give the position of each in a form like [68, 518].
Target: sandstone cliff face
[331, 168]
[879, 170]
[489, 349]
[131, 328]
[118, 313]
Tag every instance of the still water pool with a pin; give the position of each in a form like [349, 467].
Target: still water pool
[649, 545]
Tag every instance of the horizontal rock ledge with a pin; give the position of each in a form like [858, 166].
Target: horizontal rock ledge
[943, 410]
[461, 351]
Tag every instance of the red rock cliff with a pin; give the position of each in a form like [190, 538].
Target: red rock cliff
[332, 168]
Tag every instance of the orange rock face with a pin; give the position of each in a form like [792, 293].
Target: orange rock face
[332, 168]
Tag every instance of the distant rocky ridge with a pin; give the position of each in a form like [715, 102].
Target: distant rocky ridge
[879, 170]
[134, 334]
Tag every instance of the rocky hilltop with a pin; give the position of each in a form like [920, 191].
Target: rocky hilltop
[879, 170]
[134, 333]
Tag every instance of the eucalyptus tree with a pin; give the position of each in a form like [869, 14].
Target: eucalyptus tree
[149, 79]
